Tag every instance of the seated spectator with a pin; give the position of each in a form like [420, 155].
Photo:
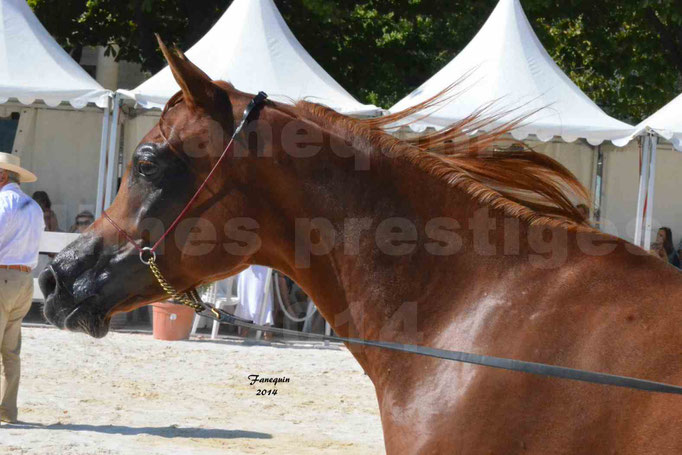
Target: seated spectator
[49, 216]
[83, 221]
[663, 247]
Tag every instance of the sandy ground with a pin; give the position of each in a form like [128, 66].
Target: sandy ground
[131, 394]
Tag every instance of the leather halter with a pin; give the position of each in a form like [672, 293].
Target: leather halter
[192, 299]
[148, 254]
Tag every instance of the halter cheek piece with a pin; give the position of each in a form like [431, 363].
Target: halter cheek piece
[148, 254]
[192, 299]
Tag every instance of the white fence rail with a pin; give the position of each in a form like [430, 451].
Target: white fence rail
[50, 243]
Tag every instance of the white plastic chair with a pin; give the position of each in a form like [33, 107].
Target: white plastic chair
[219, 301]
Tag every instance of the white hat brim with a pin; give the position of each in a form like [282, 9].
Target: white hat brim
[24, 175]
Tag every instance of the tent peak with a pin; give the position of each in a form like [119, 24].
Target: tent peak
[252, 47]
[34, 67]
[506, 66]
[666, 123]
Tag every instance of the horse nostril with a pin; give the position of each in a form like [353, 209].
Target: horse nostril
[48, 282]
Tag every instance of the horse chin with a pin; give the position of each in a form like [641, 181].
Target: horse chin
[85, 319]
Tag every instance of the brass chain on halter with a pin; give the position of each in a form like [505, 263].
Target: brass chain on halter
[189, 299]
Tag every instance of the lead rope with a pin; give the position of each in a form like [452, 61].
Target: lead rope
[192, 299]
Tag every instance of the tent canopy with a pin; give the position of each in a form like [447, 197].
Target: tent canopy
[34, 67]
[253, 48]
[667, 123]
[505, 64]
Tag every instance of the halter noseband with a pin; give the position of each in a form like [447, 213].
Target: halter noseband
[148, 254]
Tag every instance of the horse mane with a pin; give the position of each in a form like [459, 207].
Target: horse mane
[518, 181]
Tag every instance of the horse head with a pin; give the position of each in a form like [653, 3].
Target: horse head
[101, 273]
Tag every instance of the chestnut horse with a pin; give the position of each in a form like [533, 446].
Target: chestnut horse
[442, 242]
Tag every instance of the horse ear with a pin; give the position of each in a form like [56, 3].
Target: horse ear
[197, 88]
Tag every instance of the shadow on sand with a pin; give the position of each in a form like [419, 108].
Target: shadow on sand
[164, 432]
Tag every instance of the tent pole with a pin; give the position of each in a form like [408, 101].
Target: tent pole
[648, 225]
[598, 185]
[111, 162]
[641, 197]
[101, 175]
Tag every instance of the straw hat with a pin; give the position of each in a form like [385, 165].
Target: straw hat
[13, 164]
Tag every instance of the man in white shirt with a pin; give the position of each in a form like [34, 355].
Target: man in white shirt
[21, 225]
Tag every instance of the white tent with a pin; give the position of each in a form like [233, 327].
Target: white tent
[505, 64]
[253, 48]
[34, 67]
[667, 124]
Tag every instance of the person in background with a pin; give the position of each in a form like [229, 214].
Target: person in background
[83, 221]
[251, 290]
[44, 202]
[21, 225]
[663, 247]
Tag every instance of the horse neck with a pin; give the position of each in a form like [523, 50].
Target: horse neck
[354, 277]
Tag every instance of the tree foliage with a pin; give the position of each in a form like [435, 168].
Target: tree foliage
[626, 55]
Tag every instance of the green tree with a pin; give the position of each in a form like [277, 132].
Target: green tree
[625, 55]
[127, 27]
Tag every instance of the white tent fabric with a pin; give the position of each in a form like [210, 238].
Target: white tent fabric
[34, 67]
[253, 48]
[667, 123]
[505, 64]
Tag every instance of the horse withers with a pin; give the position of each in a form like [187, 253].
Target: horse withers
[441, 241]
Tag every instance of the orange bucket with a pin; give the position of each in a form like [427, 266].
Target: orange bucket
[172, 321]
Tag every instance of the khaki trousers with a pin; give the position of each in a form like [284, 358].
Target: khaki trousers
[16, 294]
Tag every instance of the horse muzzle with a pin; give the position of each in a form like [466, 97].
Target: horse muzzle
[64, 311]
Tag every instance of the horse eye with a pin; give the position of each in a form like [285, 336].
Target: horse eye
[147, 168]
